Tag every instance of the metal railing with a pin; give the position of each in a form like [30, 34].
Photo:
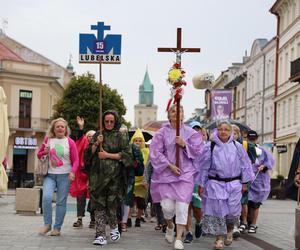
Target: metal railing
[36, 124]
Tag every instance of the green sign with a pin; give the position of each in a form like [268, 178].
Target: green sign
[26, 94]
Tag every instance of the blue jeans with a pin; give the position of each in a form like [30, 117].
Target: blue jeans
[61, 183]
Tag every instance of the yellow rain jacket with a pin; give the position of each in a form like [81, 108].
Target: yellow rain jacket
[139, 188]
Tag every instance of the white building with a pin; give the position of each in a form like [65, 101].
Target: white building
[260, 70]
[287, 87]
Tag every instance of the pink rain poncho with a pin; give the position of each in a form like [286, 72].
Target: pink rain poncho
[165, 184]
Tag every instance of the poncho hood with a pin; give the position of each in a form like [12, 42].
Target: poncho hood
[117, 119]
[217, 140]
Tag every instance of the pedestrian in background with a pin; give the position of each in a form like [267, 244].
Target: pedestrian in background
[261, 186]
[173, 185]
[196, 202]
[79, 187]
[63, 164]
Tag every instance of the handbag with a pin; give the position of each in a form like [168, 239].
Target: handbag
[42, 166]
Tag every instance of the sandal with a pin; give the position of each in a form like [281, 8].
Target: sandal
[158, 227]
[242, 228]
[78, 223]
[252, 229]
[123, 227]
[218, 245]
[229, 239]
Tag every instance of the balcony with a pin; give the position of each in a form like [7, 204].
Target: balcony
[37, 124]
[295, 71]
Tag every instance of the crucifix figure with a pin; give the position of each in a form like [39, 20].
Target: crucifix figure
[178, 51]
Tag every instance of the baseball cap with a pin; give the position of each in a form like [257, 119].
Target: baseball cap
[194, 124]
[252, 134]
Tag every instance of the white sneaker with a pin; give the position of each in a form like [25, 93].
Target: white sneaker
[169, 236]
[100, 240]
[115, 234]
[178, 245]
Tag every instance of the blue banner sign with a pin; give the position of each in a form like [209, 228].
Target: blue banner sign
[94, 49]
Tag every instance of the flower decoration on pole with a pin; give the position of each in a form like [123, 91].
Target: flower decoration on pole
[175, 78]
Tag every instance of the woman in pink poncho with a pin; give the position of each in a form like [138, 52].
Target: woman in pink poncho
[172, 185]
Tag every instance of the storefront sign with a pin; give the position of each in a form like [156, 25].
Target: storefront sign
[281, 149]
[25, 142]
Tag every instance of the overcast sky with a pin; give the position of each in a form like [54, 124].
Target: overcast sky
[223, 29]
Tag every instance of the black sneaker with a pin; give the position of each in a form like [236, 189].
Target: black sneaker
[198, 230]
[129, 222]
[78, 223]
[188, 238]
[137, 222]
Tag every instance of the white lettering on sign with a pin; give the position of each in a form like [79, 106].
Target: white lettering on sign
[220, 99]
[91, 58]
[25, 141]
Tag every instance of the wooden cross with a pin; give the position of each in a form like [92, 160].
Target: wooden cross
[178, 51]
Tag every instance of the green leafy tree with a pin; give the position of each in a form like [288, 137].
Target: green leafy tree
[81, 98]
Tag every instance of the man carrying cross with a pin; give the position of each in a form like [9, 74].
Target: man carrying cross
[172, 152]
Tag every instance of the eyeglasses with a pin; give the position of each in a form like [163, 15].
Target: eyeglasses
[109, 121]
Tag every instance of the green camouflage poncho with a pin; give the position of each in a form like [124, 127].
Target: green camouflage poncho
[107, 177]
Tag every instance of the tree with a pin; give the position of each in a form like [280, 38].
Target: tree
[81, 98]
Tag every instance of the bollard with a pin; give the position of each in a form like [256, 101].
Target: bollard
[27, 200]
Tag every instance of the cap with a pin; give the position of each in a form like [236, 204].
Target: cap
[252, 134]
[195, 124]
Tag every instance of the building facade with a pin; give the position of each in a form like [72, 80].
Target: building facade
[260, 70]
[145, 111]
[287, 87]
[33, 84]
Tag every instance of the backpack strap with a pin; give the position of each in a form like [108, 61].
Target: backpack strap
[212, 145]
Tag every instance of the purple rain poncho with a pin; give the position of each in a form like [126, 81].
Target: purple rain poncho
[165, 184]
[222, 200]
[260, 188]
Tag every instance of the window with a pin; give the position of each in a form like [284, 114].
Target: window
[278, 120]
[289, 120]
[283, 114]
[243, 97]
[287, 65]
[25, 98]
[298, 49]
[296, 104]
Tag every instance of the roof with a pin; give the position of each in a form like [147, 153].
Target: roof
[153, 125]
[7, 54]
[146, 85]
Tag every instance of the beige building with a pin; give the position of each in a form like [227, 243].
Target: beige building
[33, 84]
[287, 87]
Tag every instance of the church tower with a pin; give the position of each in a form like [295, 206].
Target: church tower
[145, 111]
